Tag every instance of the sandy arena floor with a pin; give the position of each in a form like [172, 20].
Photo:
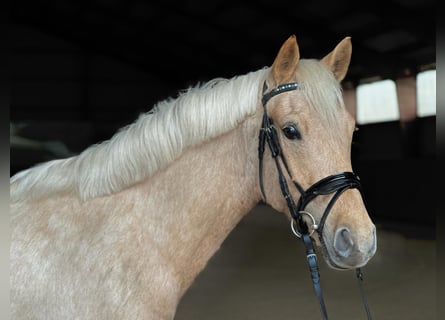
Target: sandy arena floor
[260, 272]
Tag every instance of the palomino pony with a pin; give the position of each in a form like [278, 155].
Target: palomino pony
[121, 230]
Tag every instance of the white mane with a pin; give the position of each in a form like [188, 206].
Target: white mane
[160, 136]
[152, 142]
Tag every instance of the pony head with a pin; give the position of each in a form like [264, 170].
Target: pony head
[314, 131]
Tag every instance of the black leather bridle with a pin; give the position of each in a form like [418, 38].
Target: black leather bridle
[334, 184]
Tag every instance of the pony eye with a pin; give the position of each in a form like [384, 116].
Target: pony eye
[291, 132]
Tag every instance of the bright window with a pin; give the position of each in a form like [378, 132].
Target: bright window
[377, 102]
[426, 93]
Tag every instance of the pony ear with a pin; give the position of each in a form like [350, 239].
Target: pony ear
[338, 60]
[286, 61]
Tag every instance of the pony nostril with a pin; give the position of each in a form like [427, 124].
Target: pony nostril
[342, 242]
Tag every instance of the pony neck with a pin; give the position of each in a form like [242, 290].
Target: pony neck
[196, 201]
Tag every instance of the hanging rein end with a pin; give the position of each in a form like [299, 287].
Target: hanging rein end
[315, 274]
[359, 275]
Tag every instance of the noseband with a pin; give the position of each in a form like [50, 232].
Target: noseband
[334, 184]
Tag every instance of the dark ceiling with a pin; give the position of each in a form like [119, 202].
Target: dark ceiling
[179, 43]
[187, 41]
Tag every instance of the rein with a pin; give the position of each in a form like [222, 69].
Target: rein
[334, 184]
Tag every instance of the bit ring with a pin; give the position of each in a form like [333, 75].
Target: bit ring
[314, 225]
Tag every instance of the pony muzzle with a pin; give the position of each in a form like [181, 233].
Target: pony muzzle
[349, 250]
